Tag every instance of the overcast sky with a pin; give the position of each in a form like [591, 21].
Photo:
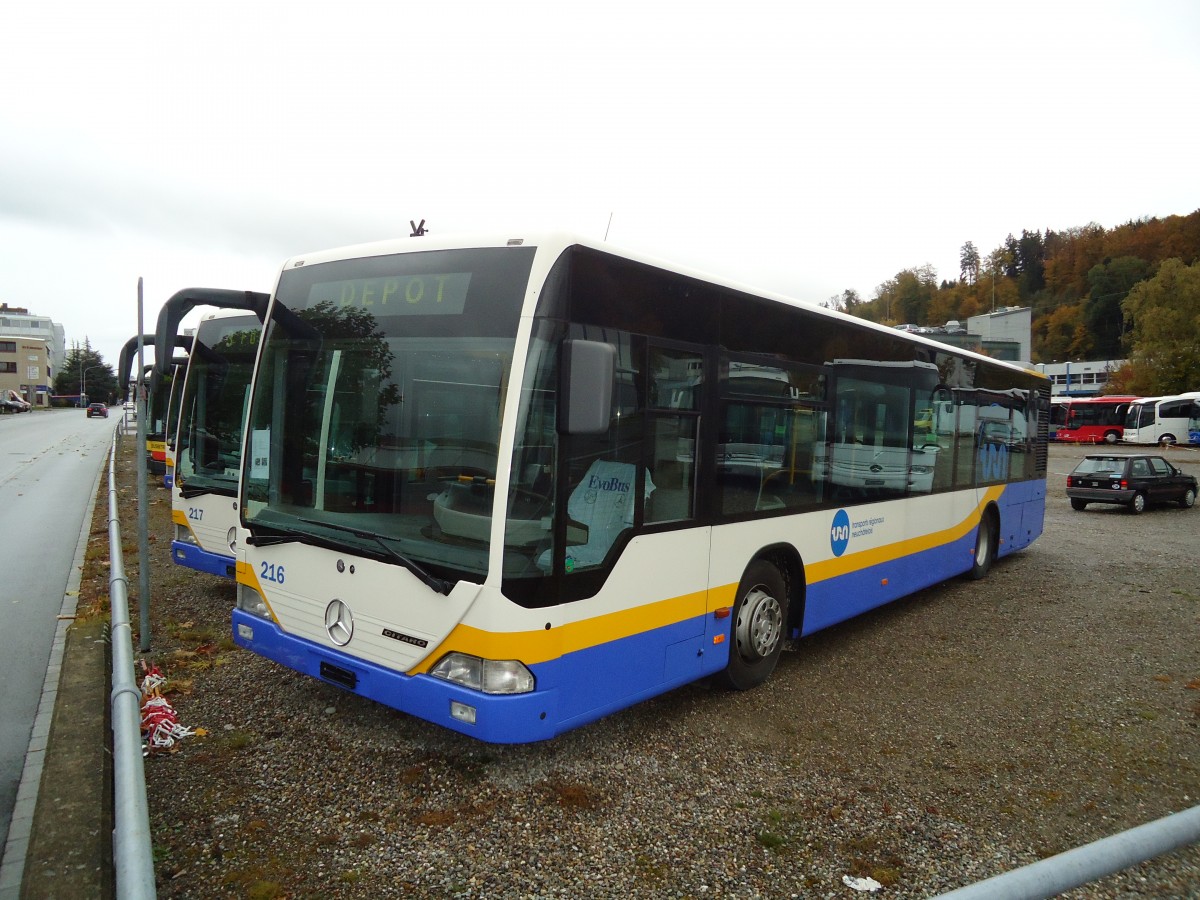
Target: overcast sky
[799, 147]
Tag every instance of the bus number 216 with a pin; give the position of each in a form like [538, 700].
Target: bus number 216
[272, 572]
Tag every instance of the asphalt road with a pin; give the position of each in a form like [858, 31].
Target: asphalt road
[49, 462]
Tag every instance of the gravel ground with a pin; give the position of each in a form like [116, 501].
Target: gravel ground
[962, 732]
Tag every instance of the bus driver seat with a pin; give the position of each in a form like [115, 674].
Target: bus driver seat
[602, 501]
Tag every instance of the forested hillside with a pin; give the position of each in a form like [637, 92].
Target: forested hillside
[1078, 283]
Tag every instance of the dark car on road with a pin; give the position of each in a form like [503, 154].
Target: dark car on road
[97, 409]
[1134, 480]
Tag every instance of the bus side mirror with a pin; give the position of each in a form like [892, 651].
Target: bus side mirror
[586, 387]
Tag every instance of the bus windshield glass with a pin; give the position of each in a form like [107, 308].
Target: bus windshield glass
[214, 405]
[380, 390]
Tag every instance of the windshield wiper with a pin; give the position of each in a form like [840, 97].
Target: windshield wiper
[269, 540]
[198, 490]
[438, 584]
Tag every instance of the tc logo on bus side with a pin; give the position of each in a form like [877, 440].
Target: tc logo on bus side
[839, 533]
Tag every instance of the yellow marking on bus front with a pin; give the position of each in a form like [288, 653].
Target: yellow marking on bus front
[243, 573]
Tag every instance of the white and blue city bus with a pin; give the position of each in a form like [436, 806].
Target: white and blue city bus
[515, 484]
[208, 445]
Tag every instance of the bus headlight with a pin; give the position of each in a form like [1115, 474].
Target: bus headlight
[491, 676]
[250, 601]
[183, 534]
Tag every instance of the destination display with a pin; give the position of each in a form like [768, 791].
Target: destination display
[443, 294]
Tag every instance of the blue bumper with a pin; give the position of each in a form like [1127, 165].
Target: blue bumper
[507, 719]
[201, 560]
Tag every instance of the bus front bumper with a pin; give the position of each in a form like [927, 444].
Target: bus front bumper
[192, 556]
[498, 719]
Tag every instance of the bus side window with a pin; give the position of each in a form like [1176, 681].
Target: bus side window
[676, 381]
[605, 470]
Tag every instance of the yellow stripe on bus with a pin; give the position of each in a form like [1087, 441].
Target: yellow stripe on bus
[852, 562]
[541, 645]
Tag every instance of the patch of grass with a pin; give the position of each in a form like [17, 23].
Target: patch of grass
[233, 741]
[1048, 797]
[190, 633]
[648, 869]
[257, 882]
[771, 840]
[575, 796]
[865, 854]
[888, 876]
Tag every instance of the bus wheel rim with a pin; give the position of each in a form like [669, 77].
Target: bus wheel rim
[983, 547]
[759, 625]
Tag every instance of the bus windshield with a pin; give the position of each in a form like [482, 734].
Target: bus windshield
[381, 385]
[214, 404]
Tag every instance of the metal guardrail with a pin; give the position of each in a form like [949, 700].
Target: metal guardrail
[1074, 868]
[133, 861]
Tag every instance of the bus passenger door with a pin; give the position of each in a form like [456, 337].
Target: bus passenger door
[674, 401]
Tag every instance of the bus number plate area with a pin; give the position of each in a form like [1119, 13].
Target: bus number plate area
[339, 676]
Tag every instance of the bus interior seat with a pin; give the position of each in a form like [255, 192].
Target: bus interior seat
[602, 503]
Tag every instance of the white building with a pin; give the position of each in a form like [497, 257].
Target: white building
[1012, 323]
[1079, 379]
[32, 349]
[16, 322]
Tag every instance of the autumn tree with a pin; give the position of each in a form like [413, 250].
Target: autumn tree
[1031, 262]
[1165, 312]
[906, 297]
[848, 301]
[1109, 283]
[1062, 335]
[968, 263]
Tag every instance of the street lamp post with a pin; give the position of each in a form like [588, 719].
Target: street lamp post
[83, 383]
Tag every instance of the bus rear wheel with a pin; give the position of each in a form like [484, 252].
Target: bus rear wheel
[987, 543]
[759, 624]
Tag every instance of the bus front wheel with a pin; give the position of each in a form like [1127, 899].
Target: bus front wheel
[987, 543]
[759, 623]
